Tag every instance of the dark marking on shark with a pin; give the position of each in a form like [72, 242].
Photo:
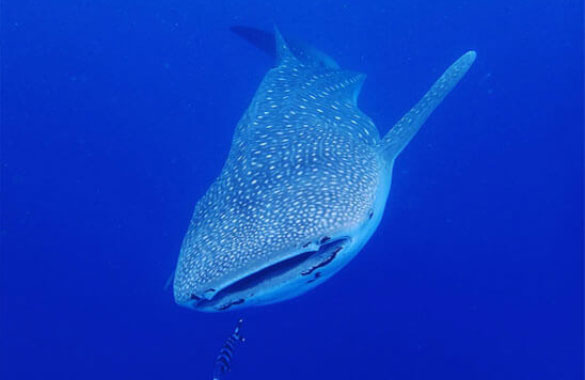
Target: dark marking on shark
[230, 304]
[317, 275]
[322, 263]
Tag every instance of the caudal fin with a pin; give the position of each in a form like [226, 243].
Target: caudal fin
[266, 42]
[259, 38]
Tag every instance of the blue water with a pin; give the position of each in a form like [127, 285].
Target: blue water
[117, 115]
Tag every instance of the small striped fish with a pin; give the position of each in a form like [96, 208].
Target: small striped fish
[223, 361]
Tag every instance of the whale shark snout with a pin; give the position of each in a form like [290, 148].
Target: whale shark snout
[297, 272]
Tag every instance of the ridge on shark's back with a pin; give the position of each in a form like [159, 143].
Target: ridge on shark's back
[304, 186]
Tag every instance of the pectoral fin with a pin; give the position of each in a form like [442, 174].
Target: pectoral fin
[403, 131]
[169, 282]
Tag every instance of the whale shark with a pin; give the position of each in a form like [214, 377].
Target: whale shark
[303, 188]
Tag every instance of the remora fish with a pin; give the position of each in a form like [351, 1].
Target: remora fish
[304, 185]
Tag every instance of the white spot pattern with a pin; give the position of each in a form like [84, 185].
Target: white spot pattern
[305, 169]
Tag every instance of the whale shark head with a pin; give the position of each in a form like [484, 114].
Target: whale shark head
[302, 190]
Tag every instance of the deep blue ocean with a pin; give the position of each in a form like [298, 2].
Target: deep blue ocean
[117, 115]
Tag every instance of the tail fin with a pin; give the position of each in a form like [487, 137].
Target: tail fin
[266, 42]
[259, 38]
[403, 131]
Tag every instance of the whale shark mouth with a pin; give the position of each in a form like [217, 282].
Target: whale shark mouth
[306, 265]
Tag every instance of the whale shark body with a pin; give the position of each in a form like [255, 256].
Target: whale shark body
[303, 188]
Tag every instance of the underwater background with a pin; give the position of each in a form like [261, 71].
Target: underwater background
[117, 115]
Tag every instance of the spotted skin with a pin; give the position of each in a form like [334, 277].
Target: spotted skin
[305, 163]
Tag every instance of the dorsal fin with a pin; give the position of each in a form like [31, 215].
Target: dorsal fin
[311, 56]
[405, 129]
[265, 41]
[283, 52]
